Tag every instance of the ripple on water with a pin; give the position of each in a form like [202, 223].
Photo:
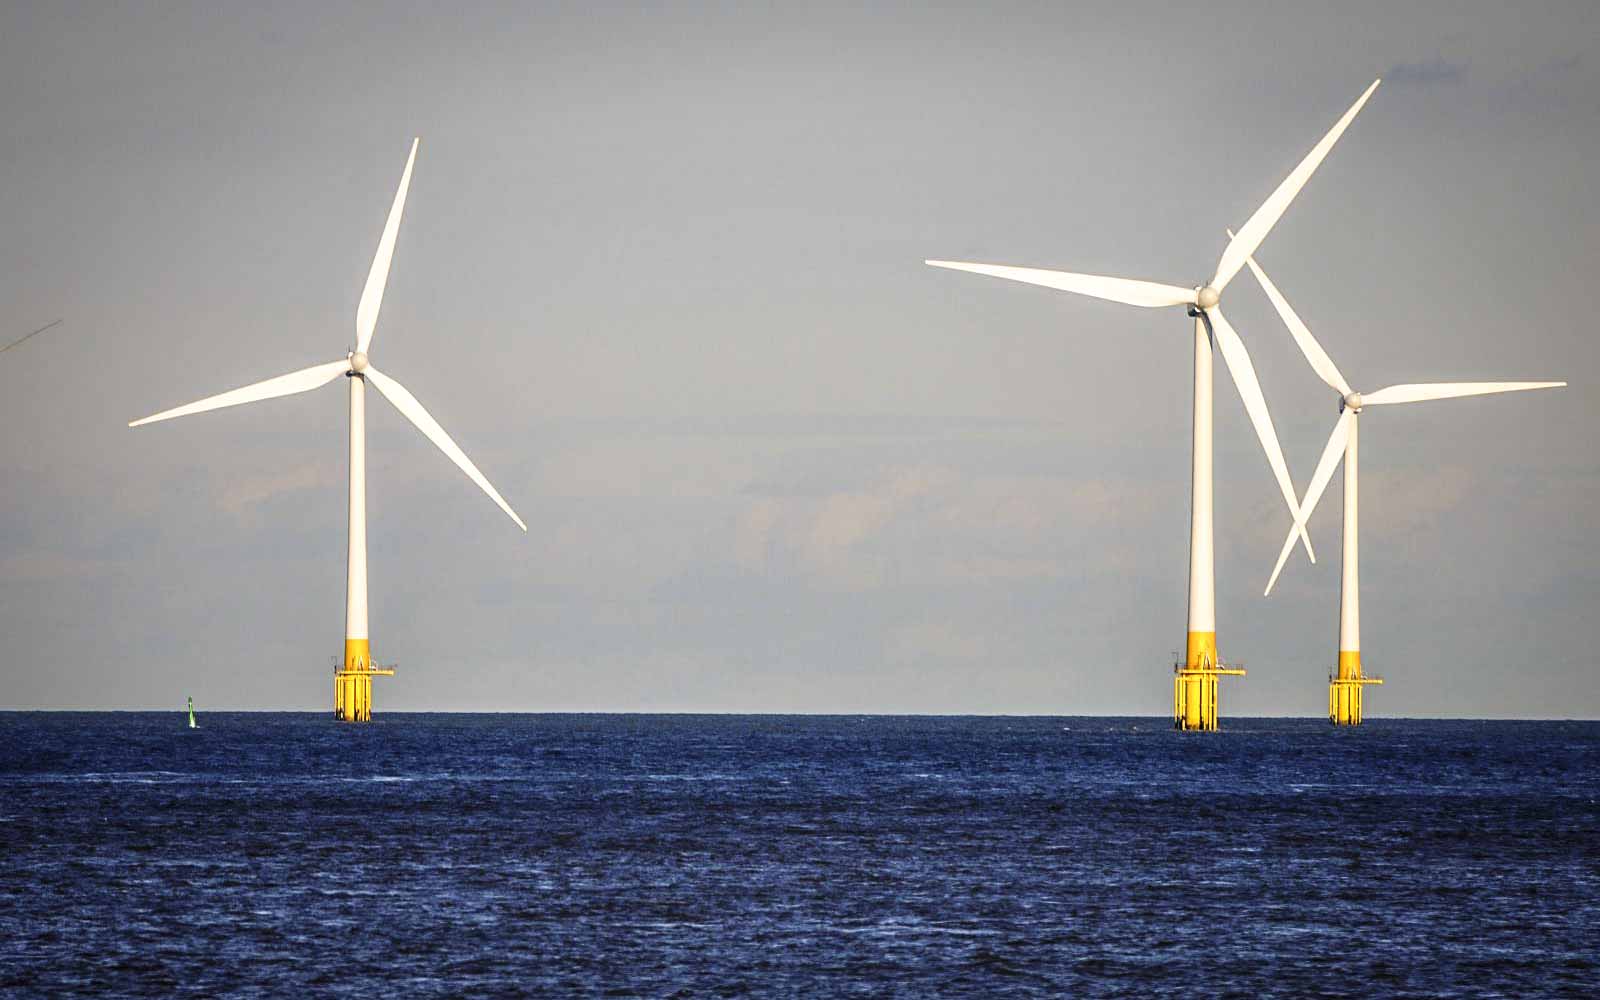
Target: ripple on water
[784, 856]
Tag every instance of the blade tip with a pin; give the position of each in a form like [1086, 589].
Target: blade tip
[1277, 571]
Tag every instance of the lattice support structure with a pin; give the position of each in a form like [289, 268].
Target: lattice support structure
[1194, 694]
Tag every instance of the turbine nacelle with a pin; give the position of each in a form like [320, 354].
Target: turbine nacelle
[1350, 404]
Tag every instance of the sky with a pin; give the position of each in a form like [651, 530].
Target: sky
[661, 276]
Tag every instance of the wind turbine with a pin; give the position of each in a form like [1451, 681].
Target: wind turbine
[353, 681]
[1195, 684]
[1344, 686]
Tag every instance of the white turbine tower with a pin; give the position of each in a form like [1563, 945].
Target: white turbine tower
[1345, 683]
[353, 681]
[1195, 686]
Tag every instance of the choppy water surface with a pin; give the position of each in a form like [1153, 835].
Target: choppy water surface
[285, 855]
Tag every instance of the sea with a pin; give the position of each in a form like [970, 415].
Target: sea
[286, 855]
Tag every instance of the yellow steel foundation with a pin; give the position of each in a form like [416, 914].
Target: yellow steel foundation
[1344, 689]
[352, 682]
[1194, 684]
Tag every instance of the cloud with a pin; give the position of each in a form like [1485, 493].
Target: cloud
[845, 520]
[645, 465]
[935, 524]
[827, 536]
[1550, 84]
[753, 534]
[239, 496]
[1433, 72]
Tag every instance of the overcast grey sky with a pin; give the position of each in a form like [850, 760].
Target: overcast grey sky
[660, 275]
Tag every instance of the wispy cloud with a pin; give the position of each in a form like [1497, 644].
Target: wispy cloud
[1433, 72]
[823, 536]
[936, 523]
[239, 496]
[1554, 83]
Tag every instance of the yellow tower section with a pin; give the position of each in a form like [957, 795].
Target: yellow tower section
[1194, 684]
[1344, 689]
[352, 682]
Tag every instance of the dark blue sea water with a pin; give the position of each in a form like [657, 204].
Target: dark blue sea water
[473, 855]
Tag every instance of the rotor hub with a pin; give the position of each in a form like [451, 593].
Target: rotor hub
[1351, 402]
[1207, 297]
[358, 362]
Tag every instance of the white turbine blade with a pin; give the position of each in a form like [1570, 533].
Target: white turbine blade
[303, 380]
[378, 277]
[1283, 557]
[1255, 404]
[413, 411]
[1332, 455]
[1251, 234]
[1125, 290]
[1414, 393]
[1315, 355]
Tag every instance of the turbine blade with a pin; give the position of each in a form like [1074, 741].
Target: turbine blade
[1413, 393]
[413, 411]
[22, 340]
[378, 277]
[1315, 355]
[1125, 290]
[1251, 234]
[1255, 404]
[1332, 454]
[1283, 557]
[303, 380]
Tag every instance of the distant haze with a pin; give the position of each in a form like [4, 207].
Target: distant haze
[661, 276]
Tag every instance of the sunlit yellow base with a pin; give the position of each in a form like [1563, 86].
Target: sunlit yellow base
[352, 683]
[1194, 684]
[1344, 689]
